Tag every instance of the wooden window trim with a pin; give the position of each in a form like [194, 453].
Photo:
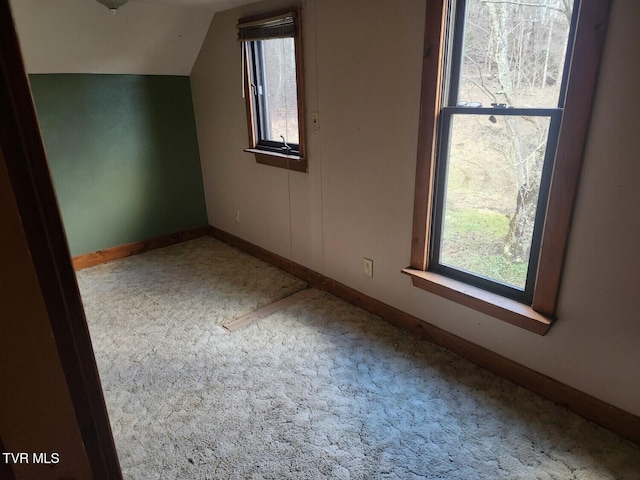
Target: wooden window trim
[299, 162]
[583, 76]
[280, 160]
[492, 304]
[22, 151]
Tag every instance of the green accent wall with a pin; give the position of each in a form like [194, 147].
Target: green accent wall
[123, 153]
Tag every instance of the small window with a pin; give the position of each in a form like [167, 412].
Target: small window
[273, 93]
[506, 95]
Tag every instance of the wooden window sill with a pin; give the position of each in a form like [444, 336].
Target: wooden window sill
[499, 307]
[280, 160]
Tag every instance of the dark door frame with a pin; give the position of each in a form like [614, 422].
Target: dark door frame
[23, 151]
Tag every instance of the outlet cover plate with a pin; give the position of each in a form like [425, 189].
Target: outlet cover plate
[367, 267]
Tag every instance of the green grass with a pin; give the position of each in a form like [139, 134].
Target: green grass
[473, 241]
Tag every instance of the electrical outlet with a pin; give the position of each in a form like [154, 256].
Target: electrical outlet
[237, 216]
[367, 267]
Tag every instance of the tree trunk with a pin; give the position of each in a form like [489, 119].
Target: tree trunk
[517, 242]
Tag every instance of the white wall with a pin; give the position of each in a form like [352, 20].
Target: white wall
[357, 198]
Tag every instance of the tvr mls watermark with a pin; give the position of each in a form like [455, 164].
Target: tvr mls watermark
[31, 458]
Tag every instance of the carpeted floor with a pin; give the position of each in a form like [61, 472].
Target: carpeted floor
[318, 390]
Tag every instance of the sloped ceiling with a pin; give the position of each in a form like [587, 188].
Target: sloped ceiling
[154, 37]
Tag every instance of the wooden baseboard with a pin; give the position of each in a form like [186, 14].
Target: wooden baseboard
[608, 416]
[122, 251]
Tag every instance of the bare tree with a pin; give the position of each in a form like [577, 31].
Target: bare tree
[527, 135]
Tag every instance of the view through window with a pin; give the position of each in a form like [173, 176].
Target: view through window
[274, 88]
[277, 91]
[502, 106]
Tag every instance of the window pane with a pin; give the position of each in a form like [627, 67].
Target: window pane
[492, 184]
[281, 116]
[514, 53]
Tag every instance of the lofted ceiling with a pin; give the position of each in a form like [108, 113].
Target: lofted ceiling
[154, 37]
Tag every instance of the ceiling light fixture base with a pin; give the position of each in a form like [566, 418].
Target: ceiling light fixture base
[113, 5]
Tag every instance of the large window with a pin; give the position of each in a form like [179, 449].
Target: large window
[273, 88]
[507, 88]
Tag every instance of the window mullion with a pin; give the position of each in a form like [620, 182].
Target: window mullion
[455, 53]
[444, 138]
[261, 91]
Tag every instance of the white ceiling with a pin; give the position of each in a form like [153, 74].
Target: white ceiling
[155, 37]
[217, 5]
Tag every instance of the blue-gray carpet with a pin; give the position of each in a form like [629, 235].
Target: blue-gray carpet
[318, 390]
